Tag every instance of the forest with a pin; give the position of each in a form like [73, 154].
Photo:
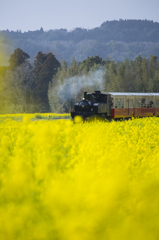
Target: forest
[51, 86]
[117, 39]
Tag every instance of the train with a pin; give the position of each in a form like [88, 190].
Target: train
[116, 105]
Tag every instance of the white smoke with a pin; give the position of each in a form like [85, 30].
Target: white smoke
[75, 85]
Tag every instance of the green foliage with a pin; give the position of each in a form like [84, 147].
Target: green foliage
[16, 90]
[49, 85]
[89, 63]
[68, 84]
[24, 88]
[38, 116]
[45, 66]
[140, 75]
[118, 39]
[50, 117]
[17, 58]
[3, 71]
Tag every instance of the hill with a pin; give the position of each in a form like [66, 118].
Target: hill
[116, 39]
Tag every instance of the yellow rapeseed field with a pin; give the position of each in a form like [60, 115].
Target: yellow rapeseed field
[92, 181]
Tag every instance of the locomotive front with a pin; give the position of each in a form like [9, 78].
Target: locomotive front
[93, 105]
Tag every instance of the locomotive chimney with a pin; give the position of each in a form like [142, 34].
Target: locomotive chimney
[85, 95]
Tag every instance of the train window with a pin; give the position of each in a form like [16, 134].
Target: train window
[157, 102]
[103, 98]
[151, 103]
[129, 103]
[143, 102]
[116, 102]
[122, 102]
[96, 97]
[138, 103]
[90, 97]
[119, 102]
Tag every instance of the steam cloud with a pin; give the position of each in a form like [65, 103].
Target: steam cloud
[73, 86]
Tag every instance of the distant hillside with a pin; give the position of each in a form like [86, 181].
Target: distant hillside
[115, 39]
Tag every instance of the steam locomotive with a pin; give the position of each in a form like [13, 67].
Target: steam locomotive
[116, 105]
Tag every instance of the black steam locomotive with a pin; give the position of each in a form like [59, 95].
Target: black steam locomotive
[116, 105]
[93, 105]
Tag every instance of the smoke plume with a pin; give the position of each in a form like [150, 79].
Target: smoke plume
[73, 86]
[70, 90]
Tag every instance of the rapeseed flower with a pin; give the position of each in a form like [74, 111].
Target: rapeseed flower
[60, 180]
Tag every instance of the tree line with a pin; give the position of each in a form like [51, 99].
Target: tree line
[94, 73]
[23, 87]
[118, 39]
[49, 85]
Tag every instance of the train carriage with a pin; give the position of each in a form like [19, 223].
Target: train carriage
[127, 105]
[117, 105]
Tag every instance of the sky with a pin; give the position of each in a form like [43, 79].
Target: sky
[30, 15]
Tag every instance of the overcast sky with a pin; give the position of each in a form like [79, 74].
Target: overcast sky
[27, 15]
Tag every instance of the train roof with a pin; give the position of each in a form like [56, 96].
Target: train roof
[131, 94]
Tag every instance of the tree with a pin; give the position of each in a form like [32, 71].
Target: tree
[145, 76]
[46, 66]
[152, 66]
[110, 76]
[156, 78]
[88, 63]
[73, 68]
[3, 71]
[138, 84]
[16, 90]
[17, 58]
